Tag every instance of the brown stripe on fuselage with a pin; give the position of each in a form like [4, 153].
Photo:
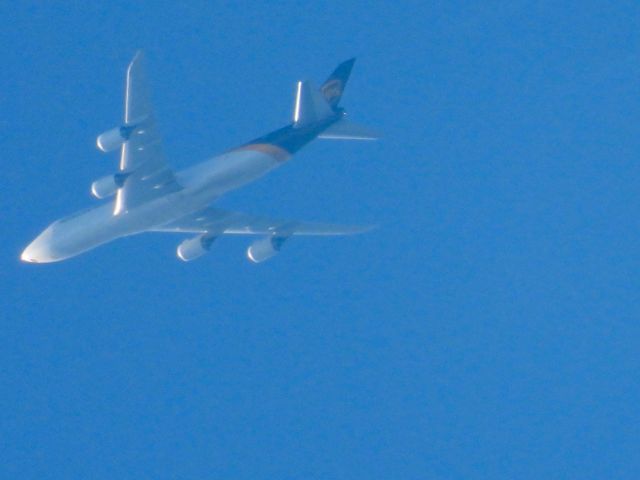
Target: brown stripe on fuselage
[280, 154]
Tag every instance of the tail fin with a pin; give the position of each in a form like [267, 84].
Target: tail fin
[311, 106]
[333, 87]
[315, 105]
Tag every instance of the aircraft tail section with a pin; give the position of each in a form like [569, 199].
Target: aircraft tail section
[317, 105]
[346, 130]
[333, 88]
[311, 107]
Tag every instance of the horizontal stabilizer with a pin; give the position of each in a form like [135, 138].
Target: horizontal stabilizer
[347, 130]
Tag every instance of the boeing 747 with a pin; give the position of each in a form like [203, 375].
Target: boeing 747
[147, 196]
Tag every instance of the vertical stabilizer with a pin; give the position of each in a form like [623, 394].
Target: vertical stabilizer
[311, 106]
[317, 105]
[333, 88]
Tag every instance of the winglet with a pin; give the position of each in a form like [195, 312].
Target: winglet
[310, 106]
[136, 86]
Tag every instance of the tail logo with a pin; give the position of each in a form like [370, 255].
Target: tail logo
[332, 89]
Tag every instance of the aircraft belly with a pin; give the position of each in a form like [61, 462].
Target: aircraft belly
[228, 172]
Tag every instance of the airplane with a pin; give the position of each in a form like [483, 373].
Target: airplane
[150, 197]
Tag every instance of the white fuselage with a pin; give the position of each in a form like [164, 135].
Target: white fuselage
[202, 184]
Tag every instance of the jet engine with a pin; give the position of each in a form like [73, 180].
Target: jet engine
[265, 248]
[114, 138]
[193, 248]
[107, 186]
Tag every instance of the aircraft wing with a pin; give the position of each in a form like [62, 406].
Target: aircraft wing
[223, 222]
[142, 158]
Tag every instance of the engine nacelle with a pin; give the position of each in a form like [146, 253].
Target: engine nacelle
[114, 138]
[193, 248]
[104, 187]
[265, 248]
[107, 186]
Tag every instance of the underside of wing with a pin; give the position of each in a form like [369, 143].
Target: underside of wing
[142, 160]
[216, 222]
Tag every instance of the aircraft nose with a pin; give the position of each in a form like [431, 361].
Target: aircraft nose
[39, 251]
[30, 254]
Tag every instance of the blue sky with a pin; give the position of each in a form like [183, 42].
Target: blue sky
[488, 329]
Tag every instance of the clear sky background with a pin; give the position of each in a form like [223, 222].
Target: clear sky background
[490, 328]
